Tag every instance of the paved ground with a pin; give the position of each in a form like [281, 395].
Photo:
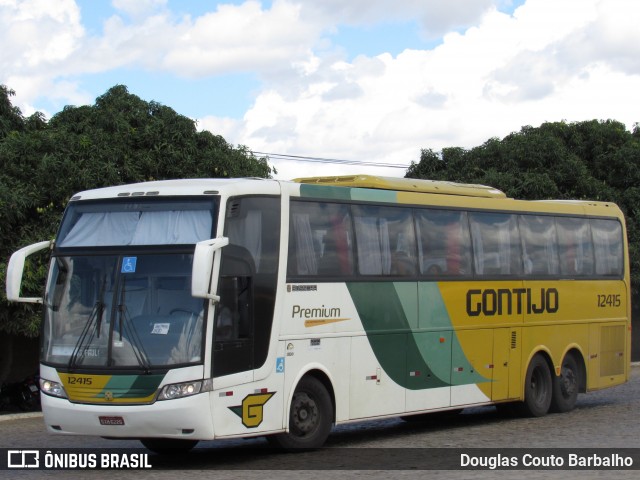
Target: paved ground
[602, 419]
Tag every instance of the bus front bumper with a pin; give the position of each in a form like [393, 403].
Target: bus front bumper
[187, 418]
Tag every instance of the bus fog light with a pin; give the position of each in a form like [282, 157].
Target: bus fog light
[52, 388]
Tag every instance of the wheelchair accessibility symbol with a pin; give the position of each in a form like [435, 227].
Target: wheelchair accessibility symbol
[129, 264]
[280, 365]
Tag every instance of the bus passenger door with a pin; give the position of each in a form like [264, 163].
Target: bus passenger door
[233, 335]
[243, 320]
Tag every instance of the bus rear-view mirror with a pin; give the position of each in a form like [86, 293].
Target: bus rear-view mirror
[203, 265]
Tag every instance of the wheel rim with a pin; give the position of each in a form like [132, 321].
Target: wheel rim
[539, 387]
[568, 382]
[304, 415]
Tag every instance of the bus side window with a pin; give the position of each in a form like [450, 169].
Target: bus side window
[320, 240]
[443, 242]
[607, 242]
[496, 244]
[385, 240]
[539, 245]
[574, 247]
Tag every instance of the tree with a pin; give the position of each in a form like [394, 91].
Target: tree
[120, 139]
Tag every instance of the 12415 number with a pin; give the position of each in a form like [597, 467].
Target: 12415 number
[605, 301]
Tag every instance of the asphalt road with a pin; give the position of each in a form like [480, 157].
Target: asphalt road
[605, 419]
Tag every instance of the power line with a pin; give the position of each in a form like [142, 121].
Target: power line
[301, 158]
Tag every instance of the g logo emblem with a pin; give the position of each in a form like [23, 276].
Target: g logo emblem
[252, 409]
[108, 396]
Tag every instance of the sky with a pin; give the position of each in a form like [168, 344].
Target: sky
[369, 82]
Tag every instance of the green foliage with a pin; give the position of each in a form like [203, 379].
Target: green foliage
[594, 160]
[121, 139]
[10, 116]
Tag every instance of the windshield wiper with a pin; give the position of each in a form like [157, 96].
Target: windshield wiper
[94, 317]
[125, 325]
[100, 306]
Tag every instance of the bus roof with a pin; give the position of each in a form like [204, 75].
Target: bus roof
[193, 186]
[406, 185]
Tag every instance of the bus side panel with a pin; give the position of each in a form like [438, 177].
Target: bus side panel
[245, 408]
[607, 363]
[434, 385]
[569, 321]
[327, 357]
[472, 365]
[373, 392]
[506, 364]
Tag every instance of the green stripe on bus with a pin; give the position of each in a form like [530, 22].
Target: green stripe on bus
[370, 195]
[414, 346]
[321, 191]
[133, 386]
[385, 321]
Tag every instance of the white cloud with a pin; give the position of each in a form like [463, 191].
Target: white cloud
[36, 37]
[506, 72]
[613, 39]
[492, 73]
[241, 38]
[435, 16]
[138, 8]
[37, 33]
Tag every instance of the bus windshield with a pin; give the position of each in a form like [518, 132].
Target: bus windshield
[119, 292]
[122, 311]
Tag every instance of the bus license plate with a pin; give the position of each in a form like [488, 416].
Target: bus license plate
[111, 420]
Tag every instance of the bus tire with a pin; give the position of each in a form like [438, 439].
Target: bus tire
[310, 417]
[566, 386]
[168, 445]
[538, 389]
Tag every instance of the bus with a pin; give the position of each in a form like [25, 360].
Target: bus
[186, 310]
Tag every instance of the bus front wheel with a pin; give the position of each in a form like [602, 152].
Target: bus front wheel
[310, 417]
[537, 388]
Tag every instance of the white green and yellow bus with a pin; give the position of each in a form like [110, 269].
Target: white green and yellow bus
[188, 310]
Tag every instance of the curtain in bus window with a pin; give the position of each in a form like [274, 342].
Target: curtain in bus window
[136, 228]
[337, 257]
[539, 247]
[247, 232]
[496, 244]
[478, 249]
[372, 241]
[443, 240]
[172, 227]
[305, 255]
[320, 240]
[575, 248]
[607, 242]
[102, 228]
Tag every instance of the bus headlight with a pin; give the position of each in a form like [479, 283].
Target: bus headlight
[180, 390]
[52, 388]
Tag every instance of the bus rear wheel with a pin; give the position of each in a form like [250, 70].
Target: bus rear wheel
[537, 389]
[566, 386]
[310, 417]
